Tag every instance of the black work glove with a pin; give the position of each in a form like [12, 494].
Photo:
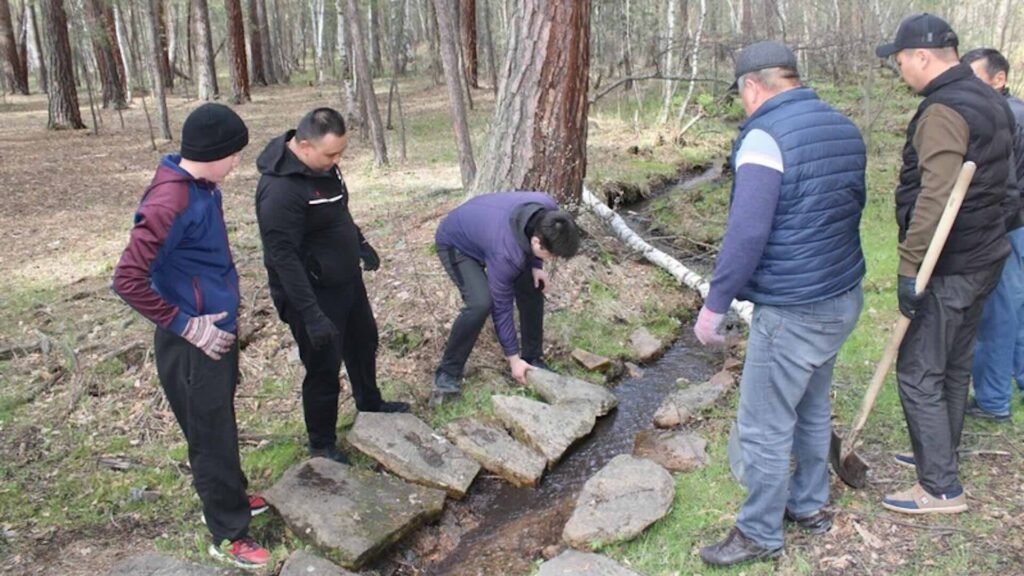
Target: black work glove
[321, 331]
[371, 261]
[910, 300]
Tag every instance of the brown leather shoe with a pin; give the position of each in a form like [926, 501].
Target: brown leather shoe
[736, 549]
[818, 523]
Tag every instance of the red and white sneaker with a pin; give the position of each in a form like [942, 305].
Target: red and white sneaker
[244, 553]
[257, 506]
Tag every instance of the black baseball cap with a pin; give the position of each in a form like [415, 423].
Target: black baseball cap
[760, 56]
[920, 31]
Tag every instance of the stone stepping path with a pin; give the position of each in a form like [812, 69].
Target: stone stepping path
[302, 563]
[497, 451]
[355, 512]
[619, 502]
[682, 405]
[574, 563]
[590, 361]
[153, 564]
[558, 389]
[410, 448]
[549, 429]
[674, 450]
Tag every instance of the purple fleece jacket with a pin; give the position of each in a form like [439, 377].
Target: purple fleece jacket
[490, 229]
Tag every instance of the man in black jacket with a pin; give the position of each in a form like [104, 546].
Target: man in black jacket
[312, 249]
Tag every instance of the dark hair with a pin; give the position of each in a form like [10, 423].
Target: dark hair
[319, 123]
[558, 233]
[995, 62]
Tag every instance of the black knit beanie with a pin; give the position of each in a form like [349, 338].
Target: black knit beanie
[211, 132]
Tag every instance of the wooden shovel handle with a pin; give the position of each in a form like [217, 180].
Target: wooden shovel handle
[924, 274]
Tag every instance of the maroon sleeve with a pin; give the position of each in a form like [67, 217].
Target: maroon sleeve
[151, 234]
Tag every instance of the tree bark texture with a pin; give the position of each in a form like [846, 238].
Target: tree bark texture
[539, 132]
[236, 53]
[208, 89]
[166, 73]
[268, 60]
[488, 33]
[452, 73]
[376, 52]
[468, 21]
[63, 111]
[364, 82]
[256, 45]
[35, 47]
[156, 54]
[14, 76]
[111, 75]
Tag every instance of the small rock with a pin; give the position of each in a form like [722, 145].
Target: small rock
[551, 551]
[591, 361]
[682, 405]
[573, 563]
[676, 451]
[548, 429]
[634, 371]
[732, 364]
[302, 563]
[619, 502]
[645, 345]
[497, 452]
[153, 564]
[558, 389]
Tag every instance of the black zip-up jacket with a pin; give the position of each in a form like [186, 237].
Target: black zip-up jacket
[309, 237]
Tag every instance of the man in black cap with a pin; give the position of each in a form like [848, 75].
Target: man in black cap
[792, 247]
[177, 271]
[960, 119]
[312, 249]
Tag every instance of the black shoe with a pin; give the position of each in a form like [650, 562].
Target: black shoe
[817, 523]
[736, 549]
[439, 396]
[329, 452]
[978, 412]
[445, 381]
[391, 408]
[538, 363]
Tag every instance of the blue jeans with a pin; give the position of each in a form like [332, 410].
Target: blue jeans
[785, 410]
[999, 353]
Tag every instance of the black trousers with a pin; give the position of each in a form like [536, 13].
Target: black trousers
[349, 308]
[201, 392]
[934, 369]
[471, 279]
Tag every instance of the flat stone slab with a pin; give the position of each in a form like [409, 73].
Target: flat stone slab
[302, 563]
[559, 389]
[645, 345]
[675, 451]
[591, 361]
[575, 563]
[549, 429]
[153, 564]
[355, 512]
[410, 448]
[619, 502]
[497, 452]
[682, 405]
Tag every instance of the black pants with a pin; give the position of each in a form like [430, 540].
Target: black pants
[201, 392]
[471, 279]
[349, 308]
[934, 368]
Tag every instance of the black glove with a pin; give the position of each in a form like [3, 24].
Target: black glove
[321, 331]
[910, 300]
[369, 257]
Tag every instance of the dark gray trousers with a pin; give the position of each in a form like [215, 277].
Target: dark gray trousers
[470, 277]
[934, 368]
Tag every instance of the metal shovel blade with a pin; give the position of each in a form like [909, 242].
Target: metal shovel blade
[850, 468]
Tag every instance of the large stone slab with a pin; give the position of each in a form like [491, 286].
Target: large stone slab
[682, 405]
[153, 564]
[549, 429]
[574, 563]
[410, 448]
[355, 512]
[591, 361]
[645, 345]
[496, 451]
[619, 502]
[559, 389]
[302, 563]
[675, 451]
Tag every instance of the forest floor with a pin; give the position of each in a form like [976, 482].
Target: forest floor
[93, 467]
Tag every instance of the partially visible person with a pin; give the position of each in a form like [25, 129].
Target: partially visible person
[312, 250]
[792, 247]
[177, 272]
[959, 119]
[999, 353]
[494, 247]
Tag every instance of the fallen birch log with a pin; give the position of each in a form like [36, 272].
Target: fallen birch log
[743, 309]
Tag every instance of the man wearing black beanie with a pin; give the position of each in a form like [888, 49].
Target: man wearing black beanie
[177, 271]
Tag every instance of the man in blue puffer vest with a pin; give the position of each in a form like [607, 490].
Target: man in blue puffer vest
[792, 247]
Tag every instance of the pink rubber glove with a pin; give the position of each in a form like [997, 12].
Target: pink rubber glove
[202, 332]
[706, 328]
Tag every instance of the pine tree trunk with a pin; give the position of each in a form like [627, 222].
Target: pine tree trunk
[106, 60]
[208, 89]
[539, 134]
[62, 95]
[488, 35]
[436, 67]
[376, 53]
[281, 44]
[469, 59]
[16, 80]
[156, 54]
[35, 47]
[268, 60]
[364, 80]
[165, 63]
[115, 46]
[256, 44]
[398, 37]
[236, 53]
[452, 72]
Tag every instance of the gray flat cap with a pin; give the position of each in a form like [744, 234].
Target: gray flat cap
[762, 55]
